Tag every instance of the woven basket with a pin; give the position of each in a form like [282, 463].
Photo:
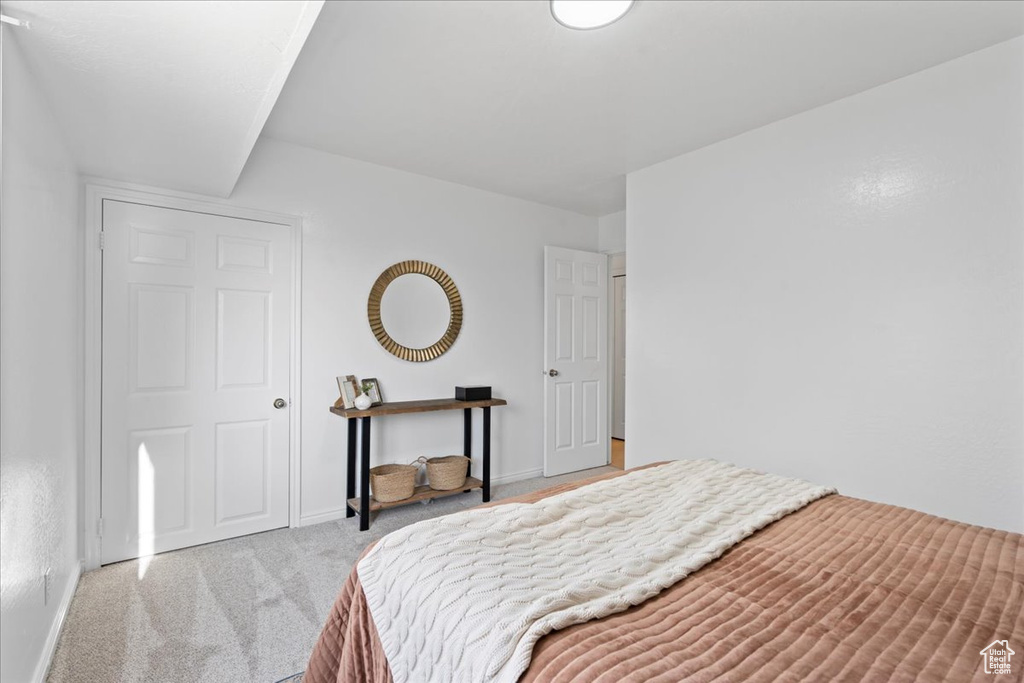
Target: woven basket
[446, 473]
[390, 483]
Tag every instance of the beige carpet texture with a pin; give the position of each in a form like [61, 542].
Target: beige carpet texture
[246, 609]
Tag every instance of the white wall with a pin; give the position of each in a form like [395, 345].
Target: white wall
[40, 366]
[358, 220]
[611, 233]
[838, 296]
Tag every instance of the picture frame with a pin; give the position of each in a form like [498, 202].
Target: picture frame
[374, 393]
[349, 388]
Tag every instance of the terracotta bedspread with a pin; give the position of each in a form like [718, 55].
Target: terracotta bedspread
[841, 590]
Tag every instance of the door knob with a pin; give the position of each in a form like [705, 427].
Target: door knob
[552, 373]
[280, 403]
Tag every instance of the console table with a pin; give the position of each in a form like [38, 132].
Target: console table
[363, 504]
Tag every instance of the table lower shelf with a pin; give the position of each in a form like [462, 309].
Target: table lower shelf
[419, 493]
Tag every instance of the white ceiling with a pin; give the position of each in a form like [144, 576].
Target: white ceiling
[497, 95]
[171, 94]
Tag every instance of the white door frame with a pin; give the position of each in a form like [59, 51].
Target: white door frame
[97, 190]
[616, 268]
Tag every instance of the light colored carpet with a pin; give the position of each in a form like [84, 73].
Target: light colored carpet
[247, 609]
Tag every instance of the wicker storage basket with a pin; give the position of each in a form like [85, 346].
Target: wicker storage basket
[447, 473]
[390, 483]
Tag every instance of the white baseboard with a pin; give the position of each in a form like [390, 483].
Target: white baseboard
[321, 517]
[50, 646]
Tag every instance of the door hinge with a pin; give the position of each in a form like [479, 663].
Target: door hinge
[103, 240]
[99, 527]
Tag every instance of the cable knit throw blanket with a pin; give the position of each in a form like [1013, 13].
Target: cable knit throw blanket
[465, 597]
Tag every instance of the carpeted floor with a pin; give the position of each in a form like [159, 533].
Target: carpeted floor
[247, 609]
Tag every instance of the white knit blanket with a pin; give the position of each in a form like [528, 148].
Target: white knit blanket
[465, 597]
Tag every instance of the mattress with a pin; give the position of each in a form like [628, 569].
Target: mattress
[843, 589]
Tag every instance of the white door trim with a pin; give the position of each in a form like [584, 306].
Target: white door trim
[95, 192]
[616, 267]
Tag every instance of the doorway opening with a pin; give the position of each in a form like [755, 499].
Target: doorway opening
[618, 421]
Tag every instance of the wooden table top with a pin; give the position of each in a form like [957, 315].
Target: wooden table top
[425, 406]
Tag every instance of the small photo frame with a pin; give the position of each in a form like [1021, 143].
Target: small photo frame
[374, 393]
[348, 387]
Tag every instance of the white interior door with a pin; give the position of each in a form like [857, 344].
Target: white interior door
[576, 360]
[619, 358]
[196, 349]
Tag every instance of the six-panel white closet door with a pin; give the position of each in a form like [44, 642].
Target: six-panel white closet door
[196, 350]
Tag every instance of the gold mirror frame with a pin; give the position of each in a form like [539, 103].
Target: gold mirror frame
[454, 306]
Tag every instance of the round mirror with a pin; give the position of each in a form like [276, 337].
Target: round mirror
[415, 310]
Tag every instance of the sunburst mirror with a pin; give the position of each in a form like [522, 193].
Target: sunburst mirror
[412, 304]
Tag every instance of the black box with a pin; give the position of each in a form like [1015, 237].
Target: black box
[472, 393]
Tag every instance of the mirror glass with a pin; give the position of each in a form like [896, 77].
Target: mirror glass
[414, 311]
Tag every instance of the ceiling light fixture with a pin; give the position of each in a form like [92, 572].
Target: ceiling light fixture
[588, 14]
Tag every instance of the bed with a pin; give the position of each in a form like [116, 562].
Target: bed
[840, 589]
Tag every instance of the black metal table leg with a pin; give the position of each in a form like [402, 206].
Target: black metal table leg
[350, 484]
[487, 454]
[467, 440]
[364, 475]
